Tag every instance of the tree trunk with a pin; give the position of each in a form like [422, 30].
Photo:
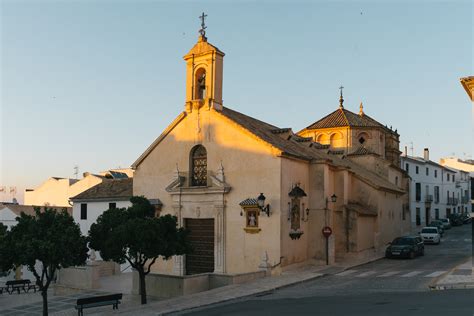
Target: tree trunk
[142, 285]
[44, 294]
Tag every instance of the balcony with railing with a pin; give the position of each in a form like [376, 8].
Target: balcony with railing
[428, 198]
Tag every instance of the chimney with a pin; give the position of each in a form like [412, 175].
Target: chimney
[426, 154]
[406, 151]
[85, 174]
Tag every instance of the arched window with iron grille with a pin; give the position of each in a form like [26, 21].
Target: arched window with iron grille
[199, 166]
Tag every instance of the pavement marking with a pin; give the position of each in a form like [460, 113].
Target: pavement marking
[365, 274]
[347, 272]
[410, 274]
[467, 239]
[434, 274]
[387, 274]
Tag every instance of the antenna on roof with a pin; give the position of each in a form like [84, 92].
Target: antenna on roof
[76, 170]
[411, 148]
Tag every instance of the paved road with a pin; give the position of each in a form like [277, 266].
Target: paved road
[438, 303]
[376, 288]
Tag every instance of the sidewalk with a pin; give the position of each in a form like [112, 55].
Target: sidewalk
[461, 277]
[254, 288]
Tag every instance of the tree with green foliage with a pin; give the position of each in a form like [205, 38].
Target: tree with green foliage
[51, 238]
[5, 263]
[136, 236]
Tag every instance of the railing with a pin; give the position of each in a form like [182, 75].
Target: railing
[450, 201]
[428, 198]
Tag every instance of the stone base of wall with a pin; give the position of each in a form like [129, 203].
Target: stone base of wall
[108, 268]
[78, 278]
[361, 256]
[166, 286]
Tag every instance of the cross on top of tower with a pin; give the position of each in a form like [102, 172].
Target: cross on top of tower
[341, 99]
[202, 31]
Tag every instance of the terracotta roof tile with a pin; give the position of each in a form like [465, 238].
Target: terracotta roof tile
[108, 189]
[342, 117]
[302, 150]
[361, 151]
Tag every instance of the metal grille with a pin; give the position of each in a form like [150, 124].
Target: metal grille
[199, 167]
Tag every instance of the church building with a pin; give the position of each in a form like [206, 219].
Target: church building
[255, 196]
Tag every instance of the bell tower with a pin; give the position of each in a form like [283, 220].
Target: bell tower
[204, 65]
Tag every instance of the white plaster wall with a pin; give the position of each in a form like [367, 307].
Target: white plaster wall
[94, 210]
[8, 217]
[57, 192]
[455, 163]
[54, 192]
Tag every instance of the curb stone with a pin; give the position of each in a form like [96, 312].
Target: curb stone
[270, 291]
[257, 294]
[434, 286]
[458, 286]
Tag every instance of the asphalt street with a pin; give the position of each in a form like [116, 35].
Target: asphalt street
[383, 287]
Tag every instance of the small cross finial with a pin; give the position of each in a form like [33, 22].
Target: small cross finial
[202, 31]
[341, 99]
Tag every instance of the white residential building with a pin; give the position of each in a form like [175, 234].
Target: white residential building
[90, 204]
[57, 191]
[433, 190]
[464, 180]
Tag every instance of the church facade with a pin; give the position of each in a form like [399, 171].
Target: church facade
[255, 196]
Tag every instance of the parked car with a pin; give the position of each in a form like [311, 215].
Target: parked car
[466, 218]
[439, 225]
[430, 235]
[455, 220]
[446, 223]
[406, 246]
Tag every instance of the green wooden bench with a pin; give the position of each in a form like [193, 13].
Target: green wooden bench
[96, 301]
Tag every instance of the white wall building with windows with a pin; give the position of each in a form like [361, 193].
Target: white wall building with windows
[465, 178]
[433, 190]
[90, 204]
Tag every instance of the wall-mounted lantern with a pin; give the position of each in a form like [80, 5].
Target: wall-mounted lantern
[261, 204]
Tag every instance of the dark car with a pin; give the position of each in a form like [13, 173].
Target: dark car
[455, 219]
[466, 218]
[406, 246]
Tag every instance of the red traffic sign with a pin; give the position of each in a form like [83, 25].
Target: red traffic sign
[327, 231]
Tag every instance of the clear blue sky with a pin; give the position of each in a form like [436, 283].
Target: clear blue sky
[93, 83]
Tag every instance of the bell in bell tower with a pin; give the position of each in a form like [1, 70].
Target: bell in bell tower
[204, 68]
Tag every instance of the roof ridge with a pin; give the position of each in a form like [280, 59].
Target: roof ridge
[345, 116]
